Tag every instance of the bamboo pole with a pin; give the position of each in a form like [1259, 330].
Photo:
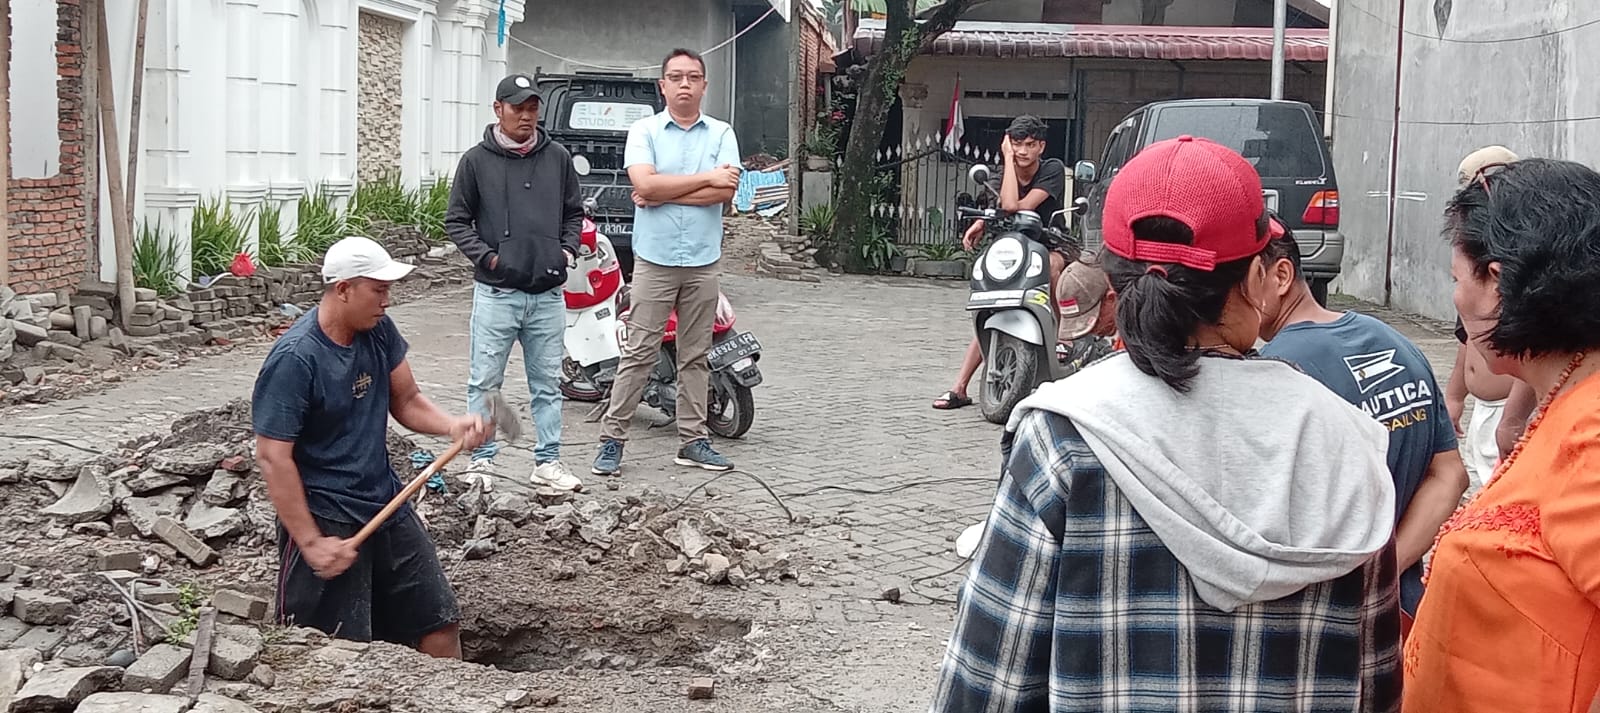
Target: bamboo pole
[113, 152]
[5, 145]
[135, 113]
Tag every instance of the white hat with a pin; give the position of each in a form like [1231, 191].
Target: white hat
[357, 256]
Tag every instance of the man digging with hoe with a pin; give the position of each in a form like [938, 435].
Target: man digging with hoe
[321, 409]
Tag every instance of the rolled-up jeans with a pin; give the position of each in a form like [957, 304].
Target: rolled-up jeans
[502, 317]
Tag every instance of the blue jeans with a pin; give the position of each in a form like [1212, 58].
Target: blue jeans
[501, 317]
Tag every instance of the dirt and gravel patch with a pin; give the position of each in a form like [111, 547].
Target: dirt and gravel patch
[585, 601]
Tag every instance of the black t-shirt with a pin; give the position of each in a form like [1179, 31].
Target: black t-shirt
[1051, 178]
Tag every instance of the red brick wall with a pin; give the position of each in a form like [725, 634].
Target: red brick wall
[812, 47]
[48, 226]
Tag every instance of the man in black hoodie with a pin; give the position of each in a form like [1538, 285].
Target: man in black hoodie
[515, 212]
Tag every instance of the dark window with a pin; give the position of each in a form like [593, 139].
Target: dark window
[1280, 141]
[984, 132]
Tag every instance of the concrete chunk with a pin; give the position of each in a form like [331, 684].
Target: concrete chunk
[43, 639]
[11, 630]
[14, 669]
[86, 501]
[240, 604]
[158, 670]
[132, 703]
[211, 522]
[162, 593]
[152, 480]
[234, 652]
[112, 561]
[39, 607]
[702, 689]
[213, 703]
[189, 460]
[53, 690]
[191, 547]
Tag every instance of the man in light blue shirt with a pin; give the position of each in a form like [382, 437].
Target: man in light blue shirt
[684, 167]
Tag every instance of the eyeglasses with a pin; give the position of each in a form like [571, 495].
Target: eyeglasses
[676, 78]
[1481, 176]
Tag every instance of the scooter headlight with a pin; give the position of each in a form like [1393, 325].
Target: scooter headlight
[1004, 258]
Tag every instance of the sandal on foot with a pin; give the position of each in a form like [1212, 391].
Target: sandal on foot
[950, 401]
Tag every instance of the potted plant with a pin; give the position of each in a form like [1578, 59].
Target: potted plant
[942, 260]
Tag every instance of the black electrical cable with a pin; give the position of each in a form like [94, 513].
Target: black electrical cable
[912, 585]
[47, 439]
[787, 513]
[894, 489]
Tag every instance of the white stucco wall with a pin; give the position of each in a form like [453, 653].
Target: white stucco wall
[35, 145]
[257, 99]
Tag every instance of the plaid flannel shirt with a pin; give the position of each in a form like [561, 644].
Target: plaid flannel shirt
[1074, 604]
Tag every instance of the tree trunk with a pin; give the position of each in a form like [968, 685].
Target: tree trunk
[904, 38]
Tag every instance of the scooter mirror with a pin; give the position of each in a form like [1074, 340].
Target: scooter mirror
[979, 174]
[1080, 205]
[590, 205]
[580, 163]
[1058, 219]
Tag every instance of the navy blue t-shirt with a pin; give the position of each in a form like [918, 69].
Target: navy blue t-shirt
[1376, 368]
[332, 402]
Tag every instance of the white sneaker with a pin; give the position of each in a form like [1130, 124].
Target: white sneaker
[481, 471]
[556, 474]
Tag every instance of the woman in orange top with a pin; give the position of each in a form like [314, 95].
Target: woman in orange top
[1510, 622]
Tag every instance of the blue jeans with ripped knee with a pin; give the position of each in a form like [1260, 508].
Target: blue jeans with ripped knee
[503, 317]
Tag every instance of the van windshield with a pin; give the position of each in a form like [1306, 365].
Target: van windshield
[1279, 140]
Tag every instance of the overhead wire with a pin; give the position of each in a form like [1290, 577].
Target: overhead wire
[591, 65]
[1466, 41]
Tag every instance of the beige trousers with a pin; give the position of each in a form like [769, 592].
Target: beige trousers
[655, 292]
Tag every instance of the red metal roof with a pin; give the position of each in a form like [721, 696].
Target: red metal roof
[1115, 42]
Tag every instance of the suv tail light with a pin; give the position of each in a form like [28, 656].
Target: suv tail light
[1323, 209]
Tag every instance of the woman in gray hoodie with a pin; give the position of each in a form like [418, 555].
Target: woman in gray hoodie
[1184, 526]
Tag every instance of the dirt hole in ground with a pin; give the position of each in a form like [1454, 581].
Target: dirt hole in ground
[556, 639]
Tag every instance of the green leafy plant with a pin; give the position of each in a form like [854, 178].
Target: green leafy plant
[190, 598]
[821, 142]
[817, 221]
[217, 234]
[320, 224]
[877, 248]
[431, 209]
[270, 244]
[155, 259]
[384, 199]
[942, 251]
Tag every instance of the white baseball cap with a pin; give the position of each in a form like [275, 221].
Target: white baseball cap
[357, 256]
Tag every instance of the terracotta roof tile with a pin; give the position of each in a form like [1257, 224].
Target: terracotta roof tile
[1120, 42]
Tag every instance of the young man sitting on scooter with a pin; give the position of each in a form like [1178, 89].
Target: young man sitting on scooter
[1025, 183]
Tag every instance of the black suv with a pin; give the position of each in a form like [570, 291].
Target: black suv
[590, 115]
[1282, 139]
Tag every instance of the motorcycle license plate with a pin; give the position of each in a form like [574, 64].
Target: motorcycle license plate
[725, 354]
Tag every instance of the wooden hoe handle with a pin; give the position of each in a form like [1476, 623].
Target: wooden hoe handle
[410, 490]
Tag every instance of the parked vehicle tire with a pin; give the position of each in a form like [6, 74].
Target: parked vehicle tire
[575, 386]
[1018, 365]
[732, 417]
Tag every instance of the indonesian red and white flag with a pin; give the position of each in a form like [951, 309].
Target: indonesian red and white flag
[955, 128]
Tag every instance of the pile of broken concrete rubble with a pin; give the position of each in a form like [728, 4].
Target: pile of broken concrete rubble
[120, 560]
[694, 543]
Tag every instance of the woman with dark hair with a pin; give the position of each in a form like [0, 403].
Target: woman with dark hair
[1511, 618]
[1184, 526]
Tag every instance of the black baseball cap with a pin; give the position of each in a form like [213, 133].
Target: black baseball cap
[516, 89]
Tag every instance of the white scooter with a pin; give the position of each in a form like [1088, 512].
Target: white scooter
[593, 292]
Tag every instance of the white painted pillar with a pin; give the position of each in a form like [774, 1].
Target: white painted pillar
[308, 97]
[337, 67]
[243, 116]
[413, 106]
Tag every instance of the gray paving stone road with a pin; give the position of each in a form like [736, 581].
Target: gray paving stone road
[851, 367]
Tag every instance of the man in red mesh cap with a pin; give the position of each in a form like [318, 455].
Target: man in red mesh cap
[1183, 526]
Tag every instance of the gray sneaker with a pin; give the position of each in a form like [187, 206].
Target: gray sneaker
[609, 462]
[700, 454]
